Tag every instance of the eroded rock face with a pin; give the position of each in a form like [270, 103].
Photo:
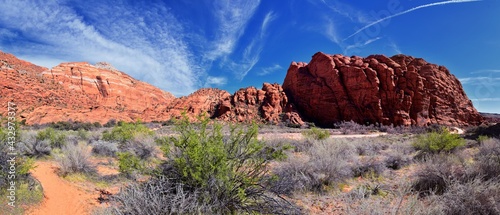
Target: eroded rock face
[78, 92]
[99, 93]
[400, 90]
[268, 104]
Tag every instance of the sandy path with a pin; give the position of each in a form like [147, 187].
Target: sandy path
[60, 197]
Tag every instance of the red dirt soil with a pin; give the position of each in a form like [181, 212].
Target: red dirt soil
[60, 197]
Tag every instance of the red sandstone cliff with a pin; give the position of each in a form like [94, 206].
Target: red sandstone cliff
[400, 90]
[78, 92]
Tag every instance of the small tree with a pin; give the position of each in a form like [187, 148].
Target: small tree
[438, 141]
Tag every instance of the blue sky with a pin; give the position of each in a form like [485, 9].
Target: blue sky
[181, 46]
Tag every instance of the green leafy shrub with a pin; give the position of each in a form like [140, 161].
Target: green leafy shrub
[126, 131]
[225, 172]
[129, 164]
[57, 138]
[316, 134]
[436, 142]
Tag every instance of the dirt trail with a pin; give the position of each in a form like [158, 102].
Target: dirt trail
[60, 197]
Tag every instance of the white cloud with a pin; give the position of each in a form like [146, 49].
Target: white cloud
[487, 71]
[347, 11]
[153, 52]
[269, 70]
[395, 47]
[486, 100]
[232, 17]
[408, 11]
[251, 53]
[481, 80]
[215, 81]
[348, 48]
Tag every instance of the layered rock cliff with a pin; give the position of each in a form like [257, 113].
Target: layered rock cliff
[98, 93]
[400, 90]
[78, 92]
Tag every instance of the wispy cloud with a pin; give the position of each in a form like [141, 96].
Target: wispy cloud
[348, 48]
[251, 53]
[487, 71]
[346, 11]
[486, 100]
[408, 11]
[232, 17]
[395, 47]
[480, 80]
[270, 70]
[215, 81]
[117, 35]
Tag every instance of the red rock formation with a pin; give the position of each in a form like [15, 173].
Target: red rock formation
[249, 104]
[88, 93]
[78, 92]
[400, 90]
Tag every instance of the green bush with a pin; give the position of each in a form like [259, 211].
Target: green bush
[126, 131]
[128, 163]
[226, 172]
[56, 138]
[316, 134]
[438, 141]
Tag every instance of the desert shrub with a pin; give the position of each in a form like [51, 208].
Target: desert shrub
[296, 145]
[110, 123]
[104, 148]
[487, 163]
[316, 134]
[75, 126]
[30, 146]
[75, 159]
[399, 153]
[296, 175]
[129, 164]
[436, 142]
[396, 161]
[125, 131]
[23, 163]
[35, 148]
[146, 199]
[227, 174]
[141, 146]
[369, 146]
[488, 131]
[481, 139]
[351, 127]
[57, 139]
[434, 174]
[368, 166]
[329, 163]
[472, 197]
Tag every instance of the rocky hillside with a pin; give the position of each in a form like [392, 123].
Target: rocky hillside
[400, 90]
[98, 93]
[78, 92]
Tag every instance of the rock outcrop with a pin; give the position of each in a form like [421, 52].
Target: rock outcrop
[400, 90]
[78, 92]
[98, 93]
[270, 105]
